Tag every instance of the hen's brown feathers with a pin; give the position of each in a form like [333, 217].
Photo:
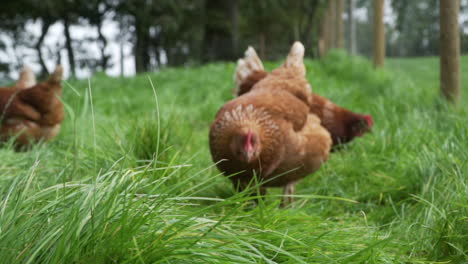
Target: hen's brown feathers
[310, 151]
[295, 60]
[285, 79]
[247, 66]
[11, 106]
[292, 143]
[27, 78]
[27, 132]
[33, 112]
[343, 124]
[249, 81]
[289, 137]
[259, 112]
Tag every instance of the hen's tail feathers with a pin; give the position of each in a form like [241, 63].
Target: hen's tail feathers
[56, 76]
[247, 65]
[296, 57]
[27, 78]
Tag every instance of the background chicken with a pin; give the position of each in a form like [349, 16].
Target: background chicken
[27, 78]
[31, 111]
[343, 124]
[270, 132]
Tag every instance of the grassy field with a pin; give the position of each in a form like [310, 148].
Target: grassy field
[130, 178]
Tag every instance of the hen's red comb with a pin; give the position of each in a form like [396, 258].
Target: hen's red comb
[369, 120]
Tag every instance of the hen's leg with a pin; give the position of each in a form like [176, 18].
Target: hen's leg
[288, 191]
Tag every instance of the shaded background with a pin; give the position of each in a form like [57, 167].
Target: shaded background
[123, 37]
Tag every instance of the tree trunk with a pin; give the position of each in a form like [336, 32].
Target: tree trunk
[262, 45]
[234, 17]
[58, 59]
[450, 50]
[157, 56]
[296, 31]
[379, 34]
[339, 24]
[122, 58]
[220, 38]
[351, 28]
[324, 35]
[141, 47]
[295, 7]
[68, 45]
[327, 30]
[332, 25]
[103, 40]
[309, 30]
[44, 30]
[321, 40]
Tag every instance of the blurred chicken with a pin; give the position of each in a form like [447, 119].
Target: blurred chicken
[270, 132]
[250, 74]
[26, 132]
[31, 113]
[27, 79]
[343, 124]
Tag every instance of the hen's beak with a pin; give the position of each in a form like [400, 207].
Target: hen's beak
[249, 149]
[249, 155]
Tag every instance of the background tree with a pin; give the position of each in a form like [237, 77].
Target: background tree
[13, 23]
[339, 23]
[450, 50]
[351, 23]
[332, 24]
[94, 12]
[379, 33]
[328, 29]
[221, 30]
[271, 25]
[416, 28]
[163, 33]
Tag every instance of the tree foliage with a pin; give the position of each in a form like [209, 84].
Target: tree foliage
[178, 32]
[164, 32]
[417, 27]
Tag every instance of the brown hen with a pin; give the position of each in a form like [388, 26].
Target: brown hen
[31, 113]
[270, 133]
[27, 78]
[343, 124]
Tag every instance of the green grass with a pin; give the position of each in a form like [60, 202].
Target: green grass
[124, 184]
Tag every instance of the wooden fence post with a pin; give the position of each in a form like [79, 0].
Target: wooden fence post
[450, 50]
[379, 33]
